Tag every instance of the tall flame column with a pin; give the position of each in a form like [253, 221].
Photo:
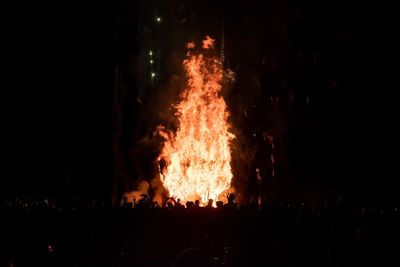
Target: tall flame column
[197, 157]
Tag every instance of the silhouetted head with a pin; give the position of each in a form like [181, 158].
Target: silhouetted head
[231, 198]
[219, 204]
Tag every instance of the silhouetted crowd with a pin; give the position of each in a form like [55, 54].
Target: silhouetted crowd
[97, 233]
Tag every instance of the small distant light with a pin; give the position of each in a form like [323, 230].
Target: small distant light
[158, 19]
[153, 74]
[50, 248]
[151, 53]
[151, 61]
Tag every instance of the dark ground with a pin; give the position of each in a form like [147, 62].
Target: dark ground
[97, 234]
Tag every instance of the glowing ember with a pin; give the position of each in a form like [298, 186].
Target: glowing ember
[197, 157]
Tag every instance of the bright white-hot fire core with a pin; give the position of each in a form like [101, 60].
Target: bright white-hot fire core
[197, 158]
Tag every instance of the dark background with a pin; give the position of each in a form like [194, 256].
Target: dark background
[58, 92]
[56, 98]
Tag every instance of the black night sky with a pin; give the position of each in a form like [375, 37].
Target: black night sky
[85, 84]
[58, 93]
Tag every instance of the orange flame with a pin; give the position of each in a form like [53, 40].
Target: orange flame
[190, 45]
[197, 157]
[208, 42]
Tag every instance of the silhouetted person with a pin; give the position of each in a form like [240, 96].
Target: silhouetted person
[219, 204]
[178, 203]
[169, 203]
[231, 201]
[144, 202]
[154, 205]
[124, 200]
[189, 204]
[231, 198]
[126, 204]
